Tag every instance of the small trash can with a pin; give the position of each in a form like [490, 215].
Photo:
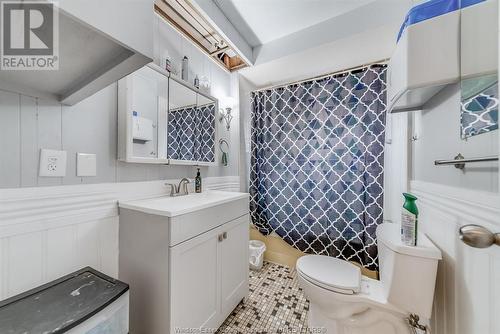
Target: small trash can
[257, 249]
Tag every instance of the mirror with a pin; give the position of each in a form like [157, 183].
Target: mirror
[191, 127]
[206, 113]
[181, 122]
[142, 114]
[479, 68]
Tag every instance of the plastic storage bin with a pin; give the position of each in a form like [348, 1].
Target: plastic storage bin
[427, 54]
[257, 249]
[85, 302]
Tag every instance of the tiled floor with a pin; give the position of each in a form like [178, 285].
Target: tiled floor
[275, 304]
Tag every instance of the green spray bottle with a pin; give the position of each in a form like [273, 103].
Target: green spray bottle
[409, 220]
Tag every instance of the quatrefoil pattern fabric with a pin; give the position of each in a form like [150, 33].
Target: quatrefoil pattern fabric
[317, 164]
[480, 112]
[191, 133]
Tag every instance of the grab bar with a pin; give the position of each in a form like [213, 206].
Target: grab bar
[459, 161]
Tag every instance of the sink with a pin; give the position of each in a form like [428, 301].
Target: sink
[175, 206]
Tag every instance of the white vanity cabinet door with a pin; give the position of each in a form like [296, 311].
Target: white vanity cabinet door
[233, 255]
[194, 284]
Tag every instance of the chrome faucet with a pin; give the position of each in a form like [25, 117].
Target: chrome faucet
[179, 190]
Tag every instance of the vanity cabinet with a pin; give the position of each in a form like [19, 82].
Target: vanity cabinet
[186, 260]
[209, 276]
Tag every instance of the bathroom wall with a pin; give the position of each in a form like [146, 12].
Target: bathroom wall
[468, 283]
[245, 90]
[52, 226]
[439, 138]
[29, 124]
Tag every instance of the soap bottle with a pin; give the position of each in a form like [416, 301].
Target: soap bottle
[196, 82]
[185, 68]
[409, 220]
[197, 182]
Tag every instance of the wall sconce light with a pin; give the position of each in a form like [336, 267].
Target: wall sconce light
[225, 115]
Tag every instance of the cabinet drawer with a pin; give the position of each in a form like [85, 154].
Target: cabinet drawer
[187, 226]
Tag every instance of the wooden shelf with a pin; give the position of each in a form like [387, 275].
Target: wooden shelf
[181, 15]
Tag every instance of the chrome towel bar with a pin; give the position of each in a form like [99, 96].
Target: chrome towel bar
[459, 161]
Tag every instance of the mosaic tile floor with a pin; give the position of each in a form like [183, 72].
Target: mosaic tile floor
[276, 304]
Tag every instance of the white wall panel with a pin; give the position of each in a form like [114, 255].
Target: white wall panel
[88, 244]
[61, 251]
[29, 141]
[108, 246]
[4, 270]
[25, 256]
[467, 287]
[9, 134]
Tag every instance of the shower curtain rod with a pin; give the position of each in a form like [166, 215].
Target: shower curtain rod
[346, 70]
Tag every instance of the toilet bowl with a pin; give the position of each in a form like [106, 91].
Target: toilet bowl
[342, 301]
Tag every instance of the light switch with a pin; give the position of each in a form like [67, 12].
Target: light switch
[86, 164]
[52, 163]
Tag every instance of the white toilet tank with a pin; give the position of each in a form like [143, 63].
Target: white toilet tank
[407, 274]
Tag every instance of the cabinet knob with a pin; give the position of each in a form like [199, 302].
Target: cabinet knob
[224, 235]
[221, 237]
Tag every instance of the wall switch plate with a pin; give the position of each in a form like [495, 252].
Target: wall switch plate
[86, 164]
[52, 163]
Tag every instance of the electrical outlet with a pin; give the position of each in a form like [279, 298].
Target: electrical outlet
[52, 163]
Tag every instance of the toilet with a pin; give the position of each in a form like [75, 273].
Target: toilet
[342, 301]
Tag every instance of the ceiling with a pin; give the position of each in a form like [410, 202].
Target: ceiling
[263, 21]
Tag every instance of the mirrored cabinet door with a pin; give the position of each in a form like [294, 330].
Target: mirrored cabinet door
[143, 105]
[191, 126]
[206, 114]
[479, 69]
[181, 129]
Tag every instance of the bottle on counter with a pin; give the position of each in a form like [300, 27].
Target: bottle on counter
[197, 182]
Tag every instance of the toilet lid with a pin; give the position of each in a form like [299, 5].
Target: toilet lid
[330, 273]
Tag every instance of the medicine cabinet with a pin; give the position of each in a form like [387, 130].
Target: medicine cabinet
[164, 120]
[191, 127]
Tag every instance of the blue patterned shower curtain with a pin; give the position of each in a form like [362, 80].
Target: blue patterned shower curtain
[316, 174]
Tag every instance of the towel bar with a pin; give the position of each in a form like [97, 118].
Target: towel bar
[459, 161]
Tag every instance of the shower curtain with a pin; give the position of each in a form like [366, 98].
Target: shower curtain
[316, 175]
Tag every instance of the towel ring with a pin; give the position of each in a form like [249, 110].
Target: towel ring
[221, 142]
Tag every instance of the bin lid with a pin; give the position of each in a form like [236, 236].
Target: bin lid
[60, 305]
[431, 9]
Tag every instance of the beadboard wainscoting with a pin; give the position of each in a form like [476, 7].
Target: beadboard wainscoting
[47, 232]
[467, 298]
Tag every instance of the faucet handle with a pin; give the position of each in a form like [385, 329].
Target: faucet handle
[184, 183]
[173, 188]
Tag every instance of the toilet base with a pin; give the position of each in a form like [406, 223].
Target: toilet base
[370, 321]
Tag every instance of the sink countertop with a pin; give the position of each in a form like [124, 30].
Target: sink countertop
[175, 206]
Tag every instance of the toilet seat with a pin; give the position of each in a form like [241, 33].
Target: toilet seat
[330, 273]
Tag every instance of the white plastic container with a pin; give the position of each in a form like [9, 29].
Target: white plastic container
[257, 249]
[113, 319]
[425, 60]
